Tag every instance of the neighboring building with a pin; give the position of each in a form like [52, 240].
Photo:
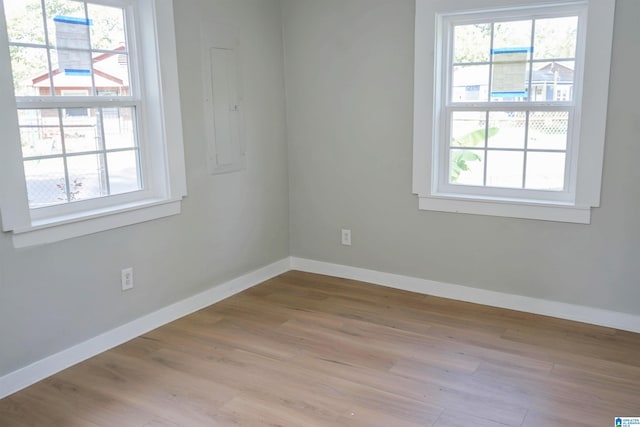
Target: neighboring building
[553, 81]
[110, 73]
[111, 78]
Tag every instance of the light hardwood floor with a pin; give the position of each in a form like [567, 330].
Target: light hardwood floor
[309, 350]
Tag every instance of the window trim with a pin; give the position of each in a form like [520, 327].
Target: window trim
[428, 81]
[162, 124]
[444, 103]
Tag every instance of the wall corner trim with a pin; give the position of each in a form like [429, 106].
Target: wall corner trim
[41, 369]
[578, 313]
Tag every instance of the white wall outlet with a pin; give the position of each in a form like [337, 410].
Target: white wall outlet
[127, 278]
[346, 237]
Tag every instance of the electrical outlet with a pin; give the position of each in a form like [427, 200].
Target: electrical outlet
[346, 237]
[127, 278]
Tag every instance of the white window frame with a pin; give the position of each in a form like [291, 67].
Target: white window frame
[74, 92]
[586, 148]
[160, 134]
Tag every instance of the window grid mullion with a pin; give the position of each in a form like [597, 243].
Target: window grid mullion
[48, 47]
[94, 90]
[444, 152]
[35, 103]
[104, 170]
[526, 148]
[82, 153]
[511, 106]
[490, 84]
[541, 60]
[136, 130]
[63, 147]
[489, 149]
[530, 61]
[486, 145]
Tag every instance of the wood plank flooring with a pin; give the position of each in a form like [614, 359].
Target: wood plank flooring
[309, 350]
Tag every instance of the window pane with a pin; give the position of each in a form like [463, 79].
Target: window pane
[556, 38]
[24, 21]
[513, 34]
[63, 32]
[553, 81]
[472, 43]
[71, 73]
[470, 83]
[466, 167]
[545, 171]
[510, 54]
[119, 127]
[510, 75]
[40, 132]
[111, 73]
[36, 117]
[72, 63]
[123, 171]
[86, 177]
[107, 31]
[72, 36]
[506, 129]
[40, 141]
[468, 129]
[45, 182]
[30, 71]
[548, 130]
[69, 32]
[81, 131]
[504, 168]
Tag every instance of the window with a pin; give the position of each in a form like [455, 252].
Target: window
[503, 131]
[73, 112]
[98, 134]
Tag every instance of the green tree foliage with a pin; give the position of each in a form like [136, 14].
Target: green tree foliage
[554, 38]
[472, 43]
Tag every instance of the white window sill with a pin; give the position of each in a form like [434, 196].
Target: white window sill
[505, 208]
[69, 226]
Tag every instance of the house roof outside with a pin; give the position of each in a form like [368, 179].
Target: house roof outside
[473, 75]
[110, 70]
[553, 72]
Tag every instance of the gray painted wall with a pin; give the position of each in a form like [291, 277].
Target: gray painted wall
[349, 112]
[57, 295]
[349, 68]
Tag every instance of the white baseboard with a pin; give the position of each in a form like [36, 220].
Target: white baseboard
[594, 316]
[48, 366]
